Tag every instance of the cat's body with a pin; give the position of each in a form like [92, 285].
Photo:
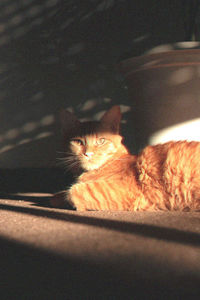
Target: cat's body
[161, 177]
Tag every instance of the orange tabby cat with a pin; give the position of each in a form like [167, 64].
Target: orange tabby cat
[161, 177]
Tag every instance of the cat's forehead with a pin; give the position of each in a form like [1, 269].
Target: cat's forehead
[89, 128]
[94, 135]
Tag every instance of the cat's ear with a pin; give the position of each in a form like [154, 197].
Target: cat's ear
[68, 121]
[111, 119]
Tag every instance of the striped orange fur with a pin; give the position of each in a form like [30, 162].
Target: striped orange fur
[161, 177]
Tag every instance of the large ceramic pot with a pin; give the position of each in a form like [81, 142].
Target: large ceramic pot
[165, 95]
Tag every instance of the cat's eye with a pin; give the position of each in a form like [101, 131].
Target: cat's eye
[101, 141]
[78, 142]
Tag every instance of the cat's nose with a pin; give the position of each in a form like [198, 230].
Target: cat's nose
[89, 154]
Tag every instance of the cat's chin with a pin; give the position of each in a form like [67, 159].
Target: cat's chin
[91, 167]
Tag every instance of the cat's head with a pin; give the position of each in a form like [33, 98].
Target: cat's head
[91, 144]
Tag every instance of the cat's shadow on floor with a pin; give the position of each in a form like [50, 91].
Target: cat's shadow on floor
[34, 199]
[33, 185]
[34, 180]
[146, 230]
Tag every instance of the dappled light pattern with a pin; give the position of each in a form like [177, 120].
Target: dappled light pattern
[92, 105]
[165, 87]
[181, 76]
[19, 17]
[47, 63]
[26, 134]
[174, 46]
[63, 54]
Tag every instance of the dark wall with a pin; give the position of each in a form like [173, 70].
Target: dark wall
[56, 54]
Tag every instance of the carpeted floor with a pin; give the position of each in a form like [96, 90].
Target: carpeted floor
[50, 253]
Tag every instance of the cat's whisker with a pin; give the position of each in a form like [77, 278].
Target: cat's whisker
[69, 168]
[66, 158]
[60, 152]
[67, 163]
[66, 153]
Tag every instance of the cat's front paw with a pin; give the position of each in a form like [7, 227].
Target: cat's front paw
[76, 199]
[60, 200]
